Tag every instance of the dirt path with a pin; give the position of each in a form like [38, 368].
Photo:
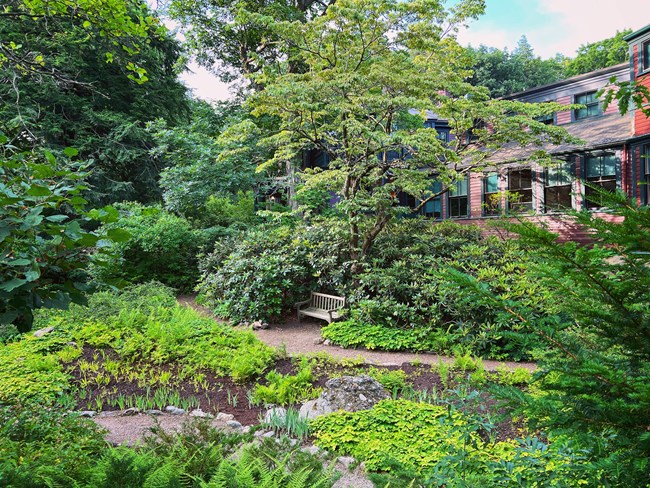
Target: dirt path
[304, 338]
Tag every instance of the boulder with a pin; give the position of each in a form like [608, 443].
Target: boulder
[349, 393]
[44, 331]
[174, 410]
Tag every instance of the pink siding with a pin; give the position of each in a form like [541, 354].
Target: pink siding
[475, 195]
[641, 121]
[565, 116]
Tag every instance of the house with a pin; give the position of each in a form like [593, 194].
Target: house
[614, 155]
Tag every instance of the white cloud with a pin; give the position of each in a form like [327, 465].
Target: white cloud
[584, 21]
[204, 85]
[574, 22]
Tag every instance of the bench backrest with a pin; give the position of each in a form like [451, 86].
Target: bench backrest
[326, 302]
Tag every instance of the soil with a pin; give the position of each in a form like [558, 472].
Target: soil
[224, 395]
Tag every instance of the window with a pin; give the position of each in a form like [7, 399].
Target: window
[491, 194]
[557, 187]
[645, 49]
[548, 119]
[458, 201]
[520, 190]
[592, 106]
[600, 171]
[433, 208]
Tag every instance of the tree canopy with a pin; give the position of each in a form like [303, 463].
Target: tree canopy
[79, 97]
[373, 70]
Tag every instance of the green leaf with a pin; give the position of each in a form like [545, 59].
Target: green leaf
[38, 191]
[12, 284]
[19, 262]
[118, 235]
[70, 152]
[56, 218]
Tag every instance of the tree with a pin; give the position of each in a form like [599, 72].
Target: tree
[601, 54]
[373, 70]
[504, 72]
[44, 249]
[236, 38]
[199, 164]
[120, 27]
[593, 378]
[76, 98]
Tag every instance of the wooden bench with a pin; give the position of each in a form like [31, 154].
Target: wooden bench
[321, 306]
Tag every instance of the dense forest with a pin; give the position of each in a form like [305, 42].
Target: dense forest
[120, 191]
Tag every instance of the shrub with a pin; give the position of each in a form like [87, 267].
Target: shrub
[162, 247]
[267, 269]
[593, 378]
[286, 389]
[41, 447]
[419, 441]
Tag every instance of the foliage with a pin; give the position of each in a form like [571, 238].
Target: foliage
[419, 441]
[600, 54]
[137, 326]
[290, 423]
[259, 274]
[161, 247]
[286, 389]
[594, 376]
[504, 72]
[242, 42]
[42, 447]
[89, 74]
[351, 333]
[405, 301]
[44, 244]
[199, 165]
[372, 70]
[227, 211]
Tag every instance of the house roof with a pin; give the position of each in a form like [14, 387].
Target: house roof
[639, 33]
[619, 68]
[596, 133]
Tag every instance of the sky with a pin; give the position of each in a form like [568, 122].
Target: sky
[551, 26]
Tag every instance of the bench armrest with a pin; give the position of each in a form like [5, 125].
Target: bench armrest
[300, 304]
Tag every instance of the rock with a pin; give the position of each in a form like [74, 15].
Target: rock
[264, 325]
[313, 450]
[346, 461]
[130, 412]
[268, 434]
[327, 342]
[277, 414]
[257, 325]
[245, 429]
[234, 424]
[259, 433]
[87, 413]
[225, 417]
[349, 393]
[197, 412]
[153, 412]
[318, 340]
[72, 344]
[43, 331]
[174, 410]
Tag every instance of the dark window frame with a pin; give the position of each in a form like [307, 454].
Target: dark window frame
[645, 55]
[490, 209]
[602, 179]
[592, 105]
[456, 201]
[524, 204]
[645, 173]
[558, 185]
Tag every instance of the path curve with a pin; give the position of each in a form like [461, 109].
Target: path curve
[304, 337]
